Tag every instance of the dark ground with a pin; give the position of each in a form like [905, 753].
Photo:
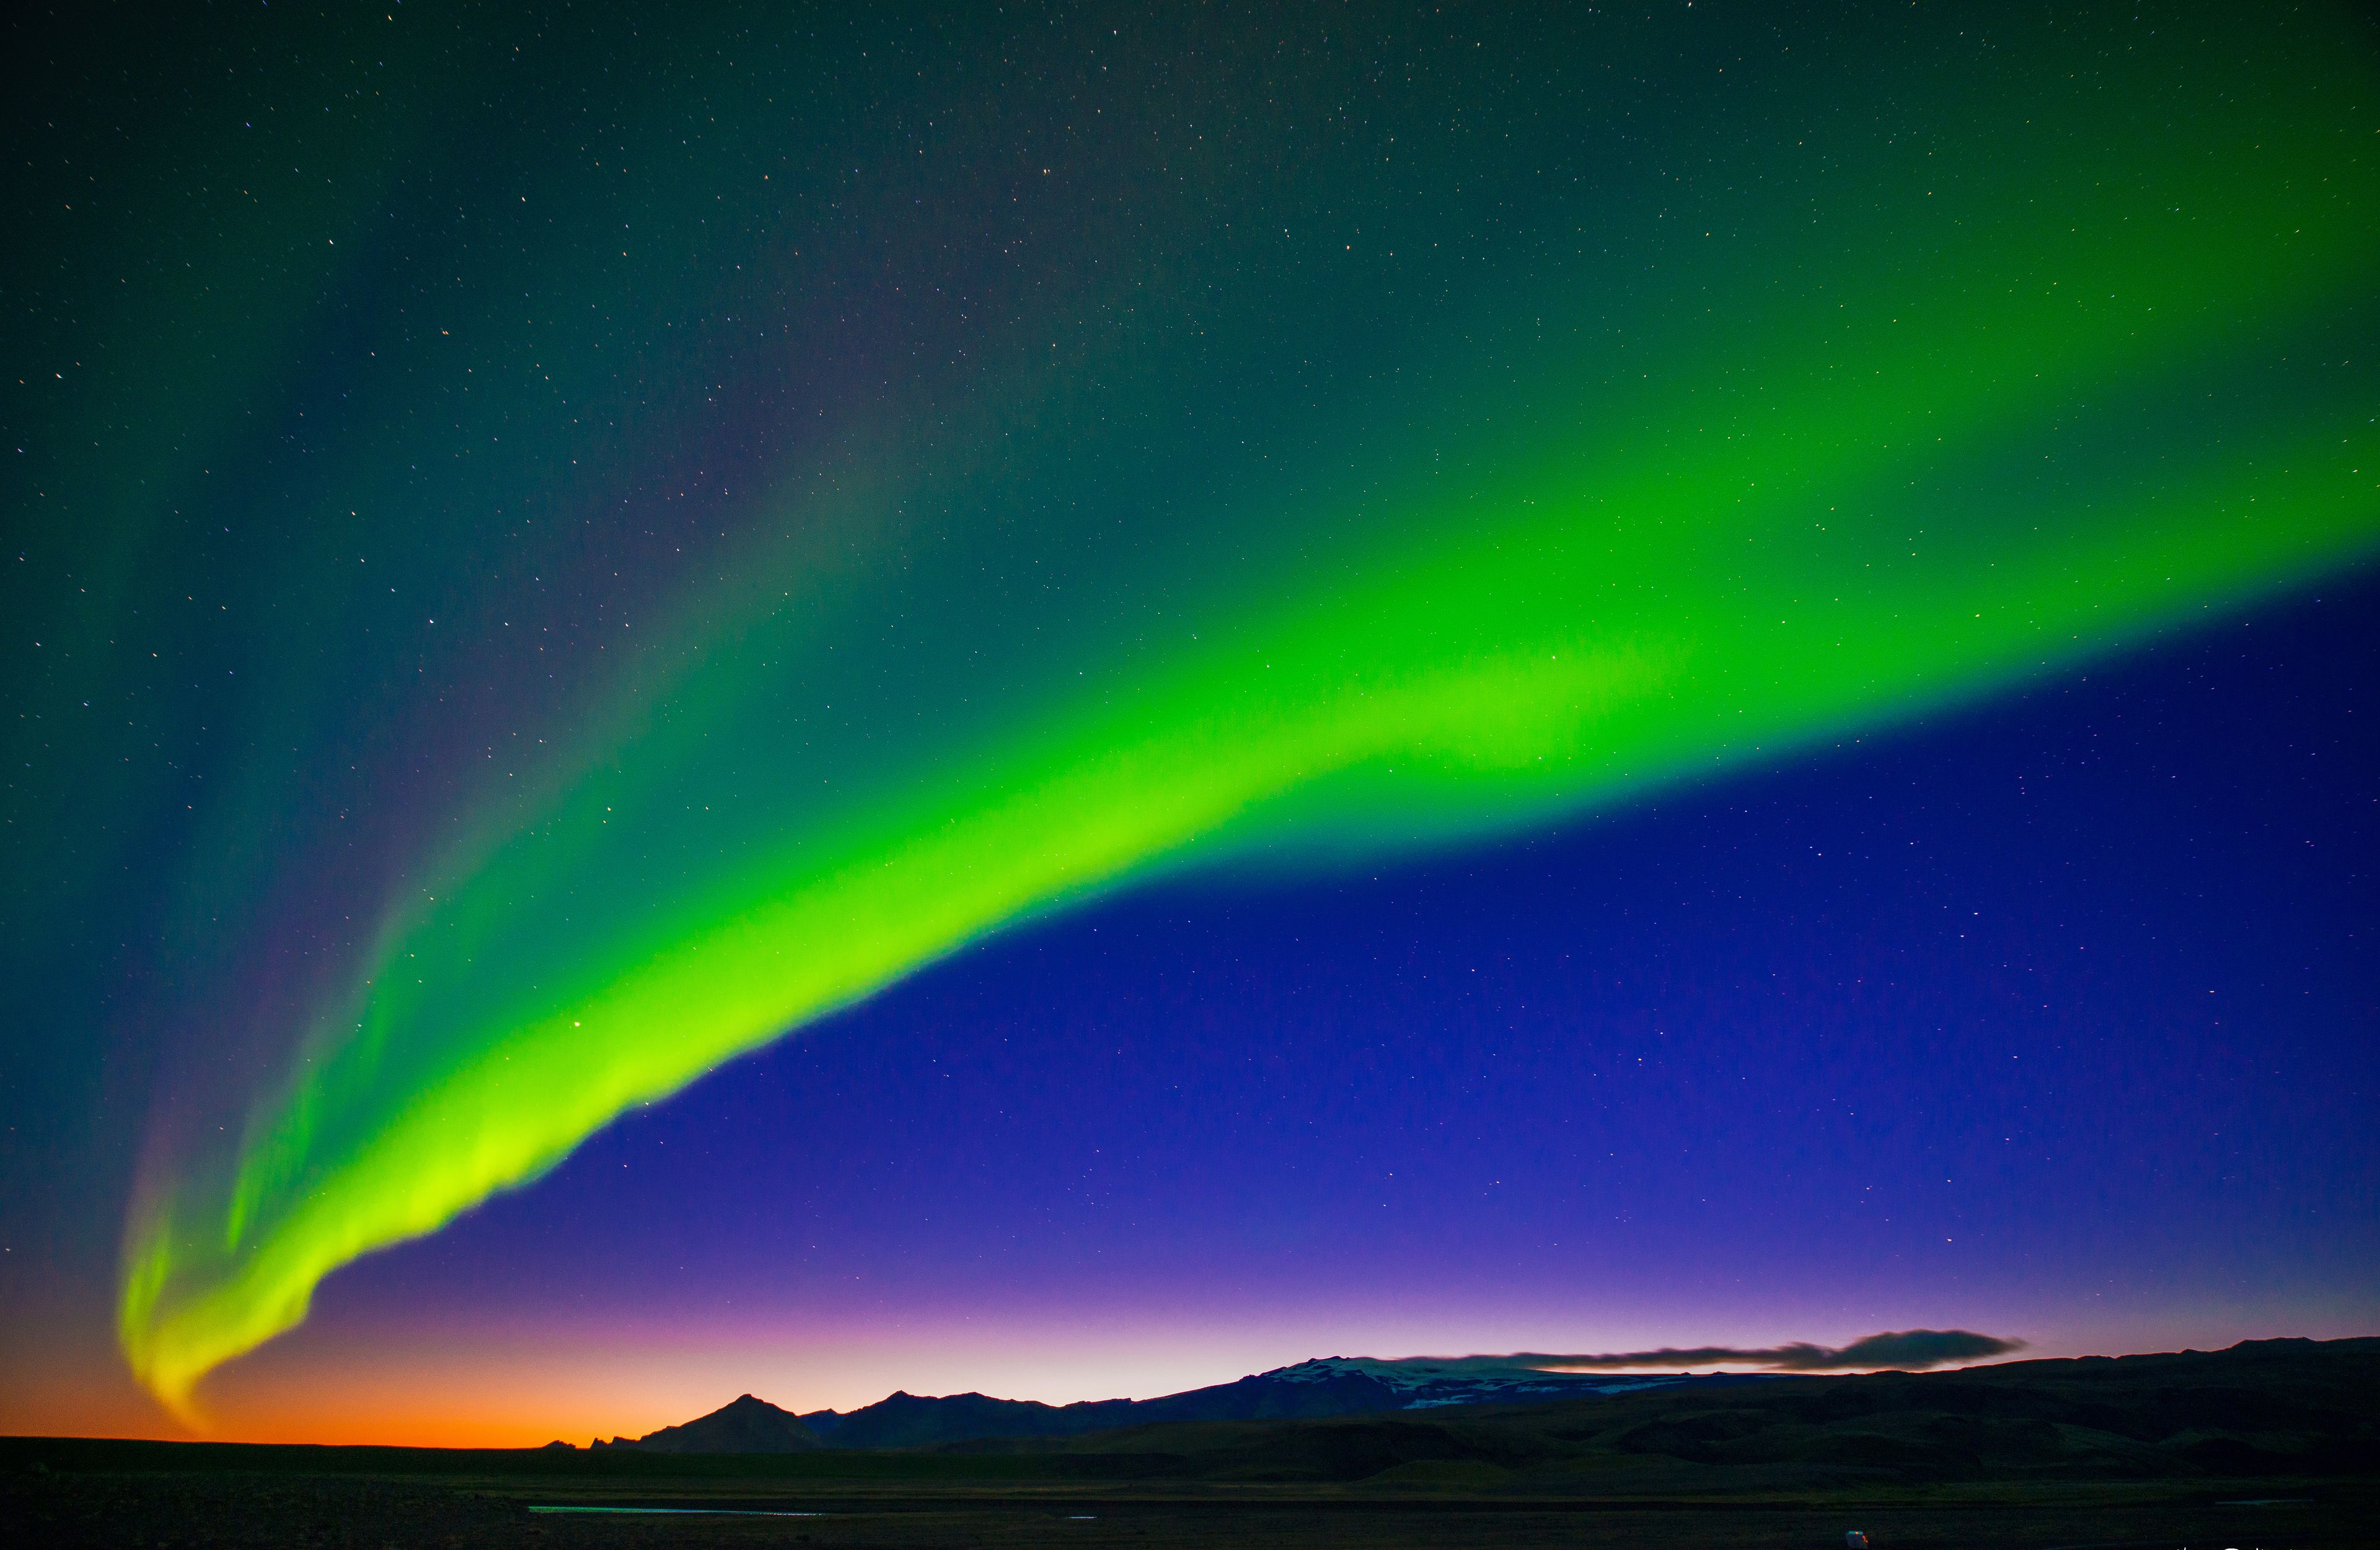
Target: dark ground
[2265, 1447]
[226, 1509]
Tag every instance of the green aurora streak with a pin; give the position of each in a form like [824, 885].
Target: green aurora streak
[1978, 451]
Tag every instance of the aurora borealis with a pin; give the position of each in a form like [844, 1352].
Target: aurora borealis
[648, 535]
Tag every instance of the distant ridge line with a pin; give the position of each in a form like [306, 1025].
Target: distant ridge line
[1314, 1389]
[1318, 1388]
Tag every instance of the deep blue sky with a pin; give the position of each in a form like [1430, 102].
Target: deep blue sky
[2054, 1019]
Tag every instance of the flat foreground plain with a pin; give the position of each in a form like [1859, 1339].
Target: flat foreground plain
[178, 1510]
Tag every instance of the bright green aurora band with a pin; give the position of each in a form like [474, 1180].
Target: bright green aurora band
[1825, 472]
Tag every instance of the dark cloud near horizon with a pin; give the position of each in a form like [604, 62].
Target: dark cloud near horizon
[1909, 1349]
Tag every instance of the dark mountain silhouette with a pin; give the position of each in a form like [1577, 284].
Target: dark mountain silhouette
[1310, 1390]
[747, 1426]
[1331, 1386]
[904, 1420]
[2278, 1410]
[2262, 1407]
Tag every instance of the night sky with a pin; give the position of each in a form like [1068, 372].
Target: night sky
[1072, 702]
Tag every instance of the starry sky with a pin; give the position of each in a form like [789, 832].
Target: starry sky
[1071, 701]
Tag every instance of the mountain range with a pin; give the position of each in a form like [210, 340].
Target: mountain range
[1324, 1387]
[2277, 1410]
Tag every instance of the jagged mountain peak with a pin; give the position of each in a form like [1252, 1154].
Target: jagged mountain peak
[744, 1424]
